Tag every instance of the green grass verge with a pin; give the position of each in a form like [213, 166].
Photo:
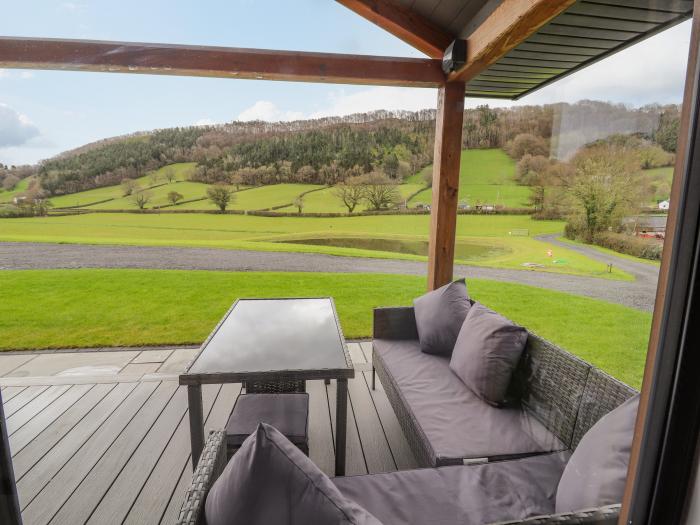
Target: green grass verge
[85, 308]
[485, 176]
[268, 234]
[608, 251]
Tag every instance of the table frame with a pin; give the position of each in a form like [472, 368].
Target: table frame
[194, 384]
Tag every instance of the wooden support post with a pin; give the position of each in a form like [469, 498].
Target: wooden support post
[443, 213]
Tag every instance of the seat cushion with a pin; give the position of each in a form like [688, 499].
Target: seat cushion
[467, 495]
[288, 413]
[486, 353]
[597, 471]
[270, 481]
[455, 421]
[439, 316]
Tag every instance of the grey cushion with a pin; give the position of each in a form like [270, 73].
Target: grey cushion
[288, 413]
[439, 316]
[456, 422]
[486, 353]
[465, 495]
[597, 471]
[270, 481]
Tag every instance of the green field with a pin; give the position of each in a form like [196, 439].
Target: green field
[260, 198]
[182, 173]
[324, 201]
[6, 196]
[159, 196]
[81, 308]
[269, 233]
[486, 176]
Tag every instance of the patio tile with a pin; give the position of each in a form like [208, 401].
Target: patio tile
[176, 363]
[75, 364]
[153, 356]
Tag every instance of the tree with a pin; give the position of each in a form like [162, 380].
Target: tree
[299, 203]
[604, 188]
[169, 174]
[526, 143]
[129, 186]
[351, 192]
[10, 182]
[141, 198]
[154, 178]
[390, 166]
[237, 180]
[174, 197]
[380, 191]
[221, 196]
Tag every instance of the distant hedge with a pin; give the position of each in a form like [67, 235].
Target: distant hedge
[637, 246]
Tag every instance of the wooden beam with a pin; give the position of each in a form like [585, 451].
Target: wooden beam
[443, 213]
[403, 23]
[664, 281]
[223, 62]
[511, 23]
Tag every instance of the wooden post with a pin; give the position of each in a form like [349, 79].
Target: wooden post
[443, 213]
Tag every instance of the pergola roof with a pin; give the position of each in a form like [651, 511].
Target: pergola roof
[573, 35]
[587, 32]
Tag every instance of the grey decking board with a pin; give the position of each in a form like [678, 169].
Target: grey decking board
[355, 460]
[42, 421]
[375, 448]
[217, 419]
[8, 392]
[156, 492]
[21, 399]
[321, 447]
[31, 409]
[24, 459]
[367, 350]
[400, 449]
[356, 353]
[55, 486]
[133, 455]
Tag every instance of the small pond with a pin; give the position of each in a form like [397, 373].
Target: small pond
[463, 250]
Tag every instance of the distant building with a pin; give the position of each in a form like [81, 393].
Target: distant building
[663, 205]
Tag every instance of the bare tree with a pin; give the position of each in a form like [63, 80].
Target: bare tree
[10, 182]
[351, 192]
[129, 186]
[236, 180]
[169, 174]
[154, 178]
[174, 197]
[381, 192]
[299, 203]
[141, 198]
[221, 196]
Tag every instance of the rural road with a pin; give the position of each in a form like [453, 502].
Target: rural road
[26, 256]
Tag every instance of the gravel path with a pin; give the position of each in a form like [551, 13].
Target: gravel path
[28, 256]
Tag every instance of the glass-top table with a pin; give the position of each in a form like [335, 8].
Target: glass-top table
[272, 340]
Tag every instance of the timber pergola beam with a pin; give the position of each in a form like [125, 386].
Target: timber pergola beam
[223, 62]
[511, 23]
[403, 23]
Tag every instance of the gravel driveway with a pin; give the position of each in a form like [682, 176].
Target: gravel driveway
[28, 256]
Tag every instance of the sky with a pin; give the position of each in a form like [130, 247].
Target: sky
[45, 112]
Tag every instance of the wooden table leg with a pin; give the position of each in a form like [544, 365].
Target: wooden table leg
[341, 423]
[194, 401]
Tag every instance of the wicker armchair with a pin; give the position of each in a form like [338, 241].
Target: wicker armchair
[213, 460]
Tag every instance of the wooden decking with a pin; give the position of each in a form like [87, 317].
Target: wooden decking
[115, 449]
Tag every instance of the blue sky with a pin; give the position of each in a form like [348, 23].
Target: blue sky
[45, 112]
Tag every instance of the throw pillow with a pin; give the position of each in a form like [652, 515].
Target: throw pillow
[439, 316]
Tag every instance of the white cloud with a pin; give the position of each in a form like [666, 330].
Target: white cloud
[72, 6]
[15, 129]
[341, 102]
[10, 73]
[268, 111]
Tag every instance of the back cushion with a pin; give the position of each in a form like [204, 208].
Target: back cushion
[596, 473]
[439, 316]
[269, 480]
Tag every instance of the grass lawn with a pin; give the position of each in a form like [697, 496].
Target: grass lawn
[486, 176]
[608, 251]
[80, 308]
[159, 196]
[182, 171]
[269, 234]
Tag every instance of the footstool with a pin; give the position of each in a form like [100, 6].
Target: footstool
[288, 413]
